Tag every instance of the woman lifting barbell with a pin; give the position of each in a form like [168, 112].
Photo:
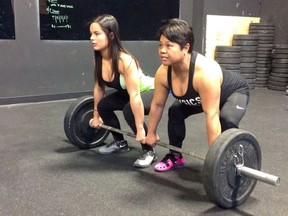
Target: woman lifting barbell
[199, 85]
[116, 68]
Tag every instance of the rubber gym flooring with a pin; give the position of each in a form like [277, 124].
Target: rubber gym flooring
[43, 174]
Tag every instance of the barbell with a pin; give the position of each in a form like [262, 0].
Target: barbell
[231, 166]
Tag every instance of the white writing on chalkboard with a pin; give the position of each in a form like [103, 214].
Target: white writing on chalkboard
[59, 14]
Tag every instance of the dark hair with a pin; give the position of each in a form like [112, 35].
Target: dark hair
[177, 31]
[109, 25]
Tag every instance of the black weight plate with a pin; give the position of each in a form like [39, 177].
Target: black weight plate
[264, 55]
[267, 65]
[248, 60]
[249, 75]
[281, 61]
[244, 42]
[266, 59]
[263, 60]
[277, 83]
[281, 46]
[248, 65]
[260, 61]
[248, 54]
[259, 35]
[264, 49]
[262, 75]
[261, 31]
[260, 85]
[283, 75]
[263, 70]
[261, 79]
[234, 71]
[261, 25]
[278, 79]
[231, 66]
[227, 55]
[248, 70]
[76, 124]
[276, 88]
[228, 60]
[265, 45]
[245, 37]
[265, 52]
[264, 37]
[278, 65]
[227, 49]
[221, 182]
[265, 42]
[249, 48]
[279, 56]
[280, 51]
[262, 28]
[280, 70]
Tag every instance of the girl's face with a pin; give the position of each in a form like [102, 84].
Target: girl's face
[170, 52]
[98, 37]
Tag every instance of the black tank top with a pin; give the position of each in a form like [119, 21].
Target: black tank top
[232, 82]
[115, 83]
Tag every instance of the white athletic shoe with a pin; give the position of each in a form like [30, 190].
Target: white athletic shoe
[146, 159]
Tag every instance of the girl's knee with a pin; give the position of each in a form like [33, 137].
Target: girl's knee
[227, 123]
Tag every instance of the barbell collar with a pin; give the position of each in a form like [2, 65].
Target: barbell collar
[258, 175]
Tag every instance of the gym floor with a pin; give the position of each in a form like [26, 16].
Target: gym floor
[43, 174]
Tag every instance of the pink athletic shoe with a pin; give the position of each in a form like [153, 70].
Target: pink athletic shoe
[168, 162]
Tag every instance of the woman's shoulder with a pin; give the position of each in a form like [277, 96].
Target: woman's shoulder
[128, 63]
[206, 64]
[125, 57]
[162, 71]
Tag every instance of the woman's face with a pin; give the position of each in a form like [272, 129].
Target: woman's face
[98, 37]
[169, 52]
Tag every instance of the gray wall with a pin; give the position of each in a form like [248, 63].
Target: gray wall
[35, 70]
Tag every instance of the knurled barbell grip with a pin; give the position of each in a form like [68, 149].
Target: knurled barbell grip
[258, 175]
[162, 144]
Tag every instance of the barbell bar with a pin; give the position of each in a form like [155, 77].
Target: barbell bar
[240, 168]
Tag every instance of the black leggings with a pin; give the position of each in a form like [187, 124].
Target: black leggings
[231, 113]
[119, 100]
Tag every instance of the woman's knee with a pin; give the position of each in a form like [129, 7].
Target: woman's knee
[227, 125]
[228, 122]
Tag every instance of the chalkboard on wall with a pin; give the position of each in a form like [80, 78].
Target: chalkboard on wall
[69, 19]
[7, 25]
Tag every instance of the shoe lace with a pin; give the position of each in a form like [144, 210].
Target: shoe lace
[112, 144]
[144, 155]
[169, 156]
